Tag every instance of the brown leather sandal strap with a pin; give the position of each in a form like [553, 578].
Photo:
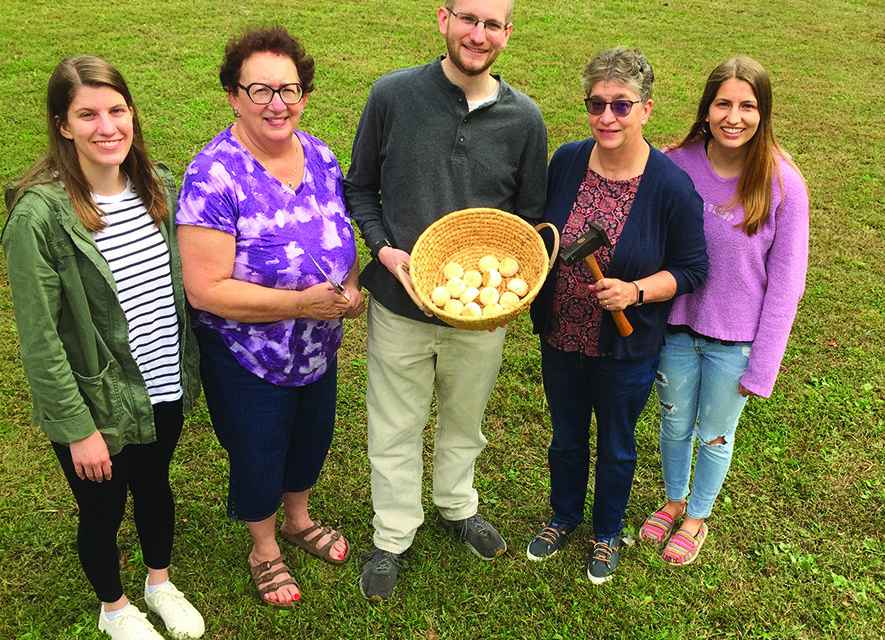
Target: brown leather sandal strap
[306, 532]
[270, 575]
[334, 536]
[263, 567]
[273, 586]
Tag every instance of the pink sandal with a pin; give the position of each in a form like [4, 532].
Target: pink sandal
[683, 548]
[658, 525]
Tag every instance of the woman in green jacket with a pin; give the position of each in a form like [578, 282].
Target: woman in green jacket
[96, 284]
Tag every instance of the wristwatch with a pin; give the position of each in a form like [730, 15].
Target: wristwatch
[384, 242]
[640, 294]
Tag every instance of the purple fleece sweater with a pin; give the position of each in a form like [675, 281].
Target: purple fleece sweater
[754, 284]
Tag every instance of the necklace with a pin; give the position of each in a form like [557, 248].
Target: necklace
[725, 165]
[290, 182]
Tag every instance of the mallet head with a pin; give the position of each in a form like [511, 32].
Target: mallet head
[585, 245]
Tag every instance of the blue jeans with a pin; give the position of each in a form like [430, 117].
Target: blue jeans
[697, 386]
[616, 390]
[276, 437]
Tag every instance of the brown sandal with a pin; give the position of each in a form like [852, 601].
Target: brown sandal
[312, 546]
[263, 572]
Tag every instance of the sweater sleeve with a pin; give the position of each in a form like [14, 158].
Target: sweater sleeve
[36, 296]
[786, 267]
[686, 245]
[362, 186]
[532, 172]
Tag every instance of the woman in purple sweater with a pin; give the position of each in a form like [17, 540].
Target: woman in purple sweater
[725, 341]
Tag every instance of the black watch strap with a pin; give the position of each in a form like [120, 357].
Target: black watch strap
[384, 242]
[640, 294]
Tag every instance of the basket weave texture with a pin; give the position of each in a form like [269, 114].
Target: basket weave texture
[464, 237]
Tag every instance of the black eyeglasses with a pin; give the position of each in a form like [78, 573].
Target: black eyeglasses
[263, 94]
[468, 21]
[621, 108]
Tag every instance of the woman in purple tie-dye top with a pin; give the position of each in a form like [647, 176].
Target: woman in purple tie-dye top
[262, 223]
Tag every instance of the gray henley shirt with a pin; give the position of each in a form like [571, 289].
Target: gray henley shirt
[420, 153]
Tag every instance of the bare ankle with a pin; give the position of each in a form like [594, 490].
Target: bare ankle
[692, 525]
[675, 507]
[257, 558]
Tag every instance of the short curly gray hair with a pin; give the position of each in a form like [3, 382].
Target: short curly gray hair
[627, 67]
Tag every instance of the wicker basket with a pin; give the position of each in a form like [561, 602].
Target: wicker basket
[464, 237]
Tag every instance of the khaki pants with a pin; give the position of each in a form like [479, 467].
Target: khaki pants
[407, 361]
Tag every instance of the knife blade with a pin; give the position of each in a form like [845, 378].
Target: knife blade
[335, 285]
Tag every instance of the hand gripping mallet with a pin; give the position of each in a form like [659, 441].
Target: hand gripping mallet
[584, 247]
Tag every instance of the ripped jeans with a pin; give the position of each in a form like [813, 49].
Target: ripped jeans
[697, 384]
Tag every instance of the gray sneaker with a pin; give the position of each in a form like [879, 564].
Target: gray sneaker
[482, 538]
[547, 541]
[379, 574]
[603, 560]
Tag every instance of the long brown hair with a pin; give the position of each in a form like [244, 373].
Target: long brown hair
[62, 163]
[754, 185]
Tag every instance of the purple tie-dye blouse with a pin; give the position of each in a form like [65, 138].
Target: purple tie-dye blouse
[276, 230]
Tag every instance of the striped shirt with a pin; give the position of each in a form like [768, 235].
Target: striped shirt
[139, 261]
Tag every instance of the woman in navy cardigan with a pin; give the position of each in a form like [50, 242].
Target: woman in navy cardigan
[653, 218]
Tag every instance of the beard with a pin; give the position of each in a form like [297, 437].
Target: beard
[453, 46]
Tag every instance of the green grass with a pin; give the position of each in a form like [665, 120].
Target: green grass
[797, 543]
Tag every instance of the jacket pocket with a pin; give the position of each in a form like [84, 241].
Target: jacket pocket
[101, 393]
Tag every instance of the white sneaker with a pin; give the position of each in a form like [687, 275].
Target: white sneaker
[129, 624]
[182, 620]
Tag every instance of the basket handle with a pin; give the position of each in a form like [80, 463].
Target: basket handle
[402, 274]
[555, 252]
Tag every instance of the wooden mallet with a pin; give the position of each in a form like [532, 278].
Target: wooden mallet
[583, 248]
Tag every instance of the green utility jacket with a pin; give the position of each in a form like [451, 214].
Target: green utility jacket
[73, 334]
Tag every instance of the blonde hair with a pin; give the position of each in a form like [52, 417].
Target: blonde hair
[450, 5]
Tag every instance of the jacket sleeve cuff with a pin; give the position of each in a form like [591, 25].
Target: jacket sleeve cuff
[69, 429]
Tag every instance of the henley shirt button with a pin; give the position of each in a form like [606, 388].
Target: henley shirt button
[465, 120]
[462, 139]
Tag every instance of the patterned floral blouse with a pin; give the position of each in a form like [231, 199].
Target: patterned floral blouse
[575, 314]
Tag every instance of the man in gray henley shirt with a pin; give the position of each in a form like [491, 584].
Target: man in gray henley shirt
[432, 139]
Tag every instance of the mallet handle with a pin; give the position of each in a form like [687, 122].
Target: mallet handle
[624, 326]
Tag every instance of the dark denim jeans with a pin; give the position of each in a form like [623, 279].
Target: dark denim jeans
[616, 390]
[276, 437]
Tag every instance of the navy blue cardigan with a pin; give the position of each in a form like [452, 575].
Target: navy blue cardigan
[664, 230]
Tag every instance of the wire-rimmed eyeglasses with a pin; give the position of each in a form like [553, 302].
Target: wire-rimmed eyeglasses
[620, 108]
[470, 21]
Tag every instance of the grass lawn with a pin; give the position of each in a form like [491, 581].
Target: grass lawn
[797, 538]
